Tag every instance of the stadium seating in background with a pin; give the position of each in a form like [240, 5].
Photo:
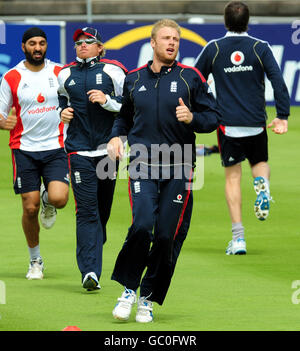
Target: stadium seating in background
[120, 7]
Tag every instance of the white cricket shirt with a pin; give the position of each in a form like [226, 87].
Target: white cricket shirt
[34, 95]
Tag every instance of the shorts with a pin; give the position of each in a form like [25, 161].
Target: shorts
[236, 150]
[29, 167]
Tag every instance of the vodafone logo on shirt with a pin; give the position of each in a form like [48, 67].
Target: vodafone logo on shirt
[42, 99]
[42, 110]
[237, 58]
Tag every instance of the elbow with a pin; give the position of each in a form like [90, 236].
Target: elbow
[208, 124]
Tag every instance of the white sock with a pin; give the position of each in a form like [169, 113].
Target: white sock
[34, 252]
[237, 231]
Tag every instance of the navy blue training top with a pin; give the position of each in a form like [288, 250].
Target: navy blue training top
[239, 63]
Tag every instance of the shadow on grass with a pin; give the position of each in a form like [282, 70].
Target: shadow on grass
[220, 251]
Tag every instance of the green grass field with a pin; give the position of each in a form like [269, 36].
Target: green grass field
[209, 291]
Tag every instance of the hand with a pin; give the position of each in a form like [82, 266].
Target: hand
[115, 149]
[67, 115]
[280, 125]
[97, 96]
[11, 120]
[183, 114]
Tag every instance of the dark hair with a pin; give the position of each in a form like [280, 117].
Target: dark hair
[236, 16]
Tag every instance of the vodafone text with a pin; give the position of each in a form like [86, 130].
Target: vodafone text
[42, 110]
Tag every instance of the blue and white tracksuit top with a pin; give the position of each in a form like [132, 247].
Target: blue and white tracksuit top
[92, 123]
[148, 112]
[239, 63]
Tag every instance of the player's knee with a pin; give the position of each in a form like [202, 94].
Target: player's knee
[233, 181]
[31, 210]
[142, 231]
[143, 227]
[163, 240]
[59, 200]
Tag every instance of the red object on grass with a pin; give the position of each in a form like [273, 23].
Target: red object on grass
[71, 328]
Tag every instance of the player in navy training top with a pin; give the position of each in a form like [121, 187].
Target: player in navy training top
[239, 63]
[164, 104]
[90, 94]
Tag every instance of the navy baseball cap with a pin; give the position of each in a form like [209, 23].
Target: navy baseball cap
[89, 32]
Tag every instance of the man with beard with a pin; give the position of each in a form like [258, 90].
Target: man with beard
[164, 104]
[36, 140]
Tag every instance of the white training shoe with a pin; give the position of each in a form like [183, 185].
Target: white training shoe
[35, 271]
[236, 247]
[123, 308]
[144, 312]
[90, 282]
[48, 212]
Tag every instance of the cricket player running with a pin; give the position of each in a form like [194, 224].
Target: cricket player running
[164, 104]
[36, 140]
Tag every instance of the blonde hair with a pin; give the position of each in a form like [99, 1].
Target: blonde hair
[103, 52]
[164, 23]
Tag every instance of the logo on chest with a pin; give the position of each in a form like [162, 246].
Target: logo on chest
[142, 88]
[99, 78]
[51, 82]
[41, 98]
[173, 87]
[237, 58]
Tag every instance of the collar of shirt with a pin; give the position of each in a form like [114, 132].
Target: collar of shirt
[164, 69]
[90, 61]
[87, 59]
[234, 34]
[21, 64]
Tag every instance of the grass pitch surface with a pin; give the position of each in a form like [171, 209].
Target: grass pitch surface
[209, 291]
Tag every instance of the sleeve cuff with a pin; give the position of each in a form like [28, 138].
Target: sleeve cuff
[107, 101]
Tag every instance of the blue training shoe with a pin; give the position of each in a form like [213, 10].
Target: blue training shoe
[262, 202]
[236, 247]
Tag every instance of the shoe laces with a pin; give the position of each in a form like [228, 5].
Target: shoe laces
[36, 265]
[37, 260]
[128, 297]
[48, 210]
[145, 305]
[229, 243]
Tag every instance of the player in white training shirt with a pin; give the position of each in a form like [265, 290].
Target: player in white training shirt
[34, 96]
[36, 140]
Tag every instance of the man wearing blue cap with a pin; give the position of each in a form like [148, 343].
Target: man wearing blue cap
[90, 95]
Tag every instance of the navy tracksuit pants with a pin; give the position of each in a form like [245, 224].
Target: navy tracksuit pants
[93, 200]
[155, 238]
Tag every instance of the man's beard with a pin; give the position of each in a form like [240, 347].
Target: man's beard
[165, 60]
[32, 60]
